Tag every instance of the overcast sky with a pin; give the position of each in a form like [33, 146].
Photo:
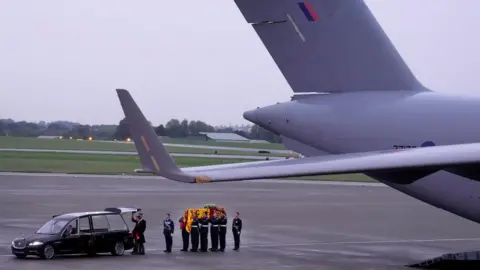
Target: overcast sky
[62, 60]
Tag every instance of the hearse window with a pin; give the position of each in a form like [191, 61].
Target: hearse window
[100, 223]
[116, 223]
[84, 225]
[72, 227]
[53, 226]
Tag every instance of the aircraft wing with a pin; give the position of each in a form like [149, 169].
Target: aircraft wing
[273, 163]
[155, 158]
[427, 158]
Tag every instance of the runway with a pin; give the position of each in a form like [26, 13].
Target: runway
[243, 149]
[287, 225]
[135, 153]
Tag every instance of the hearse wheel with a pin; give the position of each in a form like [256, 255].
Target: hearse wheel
[118, 249]
[48, 252]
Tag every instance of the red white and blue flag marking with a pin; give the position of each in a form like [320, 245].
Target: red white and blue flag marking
[309, 11]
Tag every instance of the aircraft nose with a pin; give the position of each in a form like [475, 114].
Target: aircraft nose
[250, 116]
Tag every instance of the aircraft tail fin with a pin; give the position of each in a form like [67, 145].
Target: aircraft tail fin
[329, 45]
[153, 155]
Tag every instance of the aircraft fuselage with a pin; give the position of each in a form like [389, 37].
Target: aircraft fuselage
[372, 121]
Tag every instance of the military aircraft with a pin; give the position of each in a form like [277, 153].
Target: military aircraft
[357, 108]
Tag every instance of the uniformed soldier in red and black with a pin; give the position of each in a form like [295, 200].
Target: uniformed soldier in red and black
[185, 233]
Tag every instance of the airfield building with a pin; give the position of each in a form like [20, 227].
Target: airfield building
[49, 137]
[233, 137]
[218, 137]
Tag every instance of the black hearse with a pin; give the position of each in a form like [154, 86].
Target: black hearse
[79, 233]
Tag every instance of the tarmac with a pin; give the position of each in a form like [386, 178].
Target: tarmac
[287, 224]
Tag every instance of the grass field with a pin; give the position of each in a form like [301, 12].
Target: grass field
[86, 163]
[34, 143]
[116, 164]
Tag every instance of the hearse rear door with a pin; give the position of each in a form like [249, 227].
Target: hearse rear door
[126, 213]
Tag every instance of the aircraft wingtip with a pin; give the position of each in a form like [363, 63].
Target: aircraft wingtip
[202, 179]
[121, 91]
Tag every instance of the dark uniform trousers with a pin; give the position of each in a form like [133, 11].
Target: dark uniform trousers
[214, 234]
[236, 238]
[236, 230]
[168, 240]
[185, 236]
[194, 236]
[222, 232]
[204, 235]
[168, 229]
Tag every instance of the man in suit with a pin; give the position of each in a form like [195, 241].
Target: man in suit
[138, 234]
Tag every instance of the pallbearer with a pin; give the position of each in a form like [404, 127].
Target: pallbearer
[204, 232]
[214, 231]
[194, 232]
[222, 231]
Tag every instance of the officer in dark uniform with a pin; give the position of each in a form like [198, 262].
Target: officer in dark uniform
[222, 230]
[168, 229]
[214, 231]
[236, 230]
[185, 234]
[194, 233]
[204, 232]
[138, 234]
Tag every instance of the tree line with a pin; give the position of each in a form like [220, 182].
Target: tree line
[174, 128]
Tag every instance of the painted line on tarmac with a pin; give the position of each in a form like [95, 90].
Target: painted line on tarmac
[334, 243]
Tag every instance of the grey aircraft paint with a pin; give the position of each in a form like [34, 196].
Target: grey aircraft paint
[328, 45]
[370, 113]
